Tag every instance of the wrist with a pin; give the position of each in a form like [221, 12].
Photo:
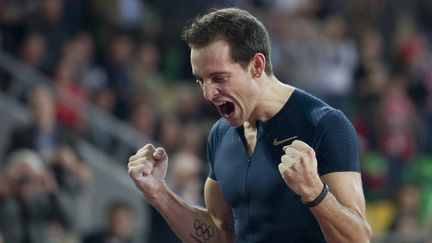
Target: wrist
[312, 192]
[157, 195]
[318, 199]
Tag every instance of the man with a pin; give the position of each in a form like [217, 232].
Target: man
[30, 203]
[119, 227]
[283, 164]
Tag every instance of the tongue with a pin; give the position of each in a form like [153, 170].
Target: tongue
[227, 108]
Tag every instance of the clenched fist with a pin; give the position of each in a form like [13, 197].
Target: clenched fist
[298, 168]
[148, 168]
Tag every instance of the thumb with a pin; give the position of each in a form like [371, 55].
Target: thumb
[160, 154]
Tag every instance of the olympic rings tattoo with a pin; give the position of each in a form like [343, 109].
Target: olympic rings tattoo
[203, 230]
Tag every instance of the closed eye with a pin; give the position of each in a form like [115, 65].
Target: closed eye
[220, 78]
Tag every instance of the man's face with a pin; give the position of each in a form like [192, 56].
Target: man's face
[226, 84]
[121, 223]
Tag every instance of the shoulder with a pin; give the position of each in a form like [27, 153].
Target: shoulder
[338, 147]
[313, 108]
[217, 133]
[334, 122]
[334, 139]
[219, 129]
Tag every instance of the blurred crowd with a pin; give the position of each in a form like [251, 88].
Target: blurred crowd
[371, 58]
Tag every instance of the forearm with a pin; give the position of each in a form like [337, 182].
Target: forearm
[340, 223]
[191, 224]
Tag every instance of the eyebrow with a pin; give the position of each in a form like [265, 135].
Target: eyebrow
[210, 75]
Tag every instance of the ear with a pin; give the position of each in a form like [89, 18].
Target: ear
[258, 64]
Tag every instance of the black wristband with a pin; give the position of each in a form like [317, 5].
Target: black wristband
[317, 200]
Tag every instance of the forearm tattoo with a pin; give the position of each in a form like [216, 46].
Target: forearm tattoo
[203, 232]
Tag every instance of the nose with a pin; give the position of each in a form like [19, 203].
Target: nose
[209, 91]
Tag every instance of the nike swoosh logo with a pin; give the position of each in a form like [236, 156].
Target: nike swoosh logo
[276, 142]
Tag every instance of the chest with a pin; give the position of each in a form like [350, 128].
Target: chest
[246, 164]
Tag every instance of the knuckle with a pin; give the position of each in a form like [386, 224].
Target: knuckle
[303, 157]
[288, 150]
[146, 153]
[131, 172]
[149, 145]
[312, 152]
[296, 143]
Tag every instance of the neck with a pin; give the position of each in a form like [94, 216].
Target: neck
[273, 97]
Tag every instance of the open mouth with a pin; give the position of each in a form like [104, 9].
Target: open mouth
[226, 108]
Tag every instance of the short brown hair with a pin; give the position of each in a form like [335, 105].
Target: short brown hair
[245, 34]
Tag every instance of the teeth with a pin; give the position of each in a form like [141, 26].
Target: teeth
[220, 103]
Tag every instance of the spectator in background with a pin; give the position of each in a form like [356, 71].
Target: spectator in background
[337, 63]
[188, 104]
[413, 59]
[405, 225]
[407, 201]
[89, 75]
[144, 119]
[300, 49]
[371, 78]
[104, 99]
[119, 226]
[397, 138]
[146, 74]
[54, 144]
[194, 139]
[119, 56]
[13, 20]
[43, 133]
[133, 16]
[33, 51]
[49, 20]
[29, 199]
[170, 133]
[405, 230]
[71, 96]
[185, 177]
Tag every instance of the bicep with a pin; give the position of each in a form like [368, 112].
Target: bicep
[218, 208]
[347, 188]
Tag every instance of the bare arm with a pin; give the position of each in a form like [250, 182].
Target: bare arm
[197, 224]
[191, 224]
[341, 214]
